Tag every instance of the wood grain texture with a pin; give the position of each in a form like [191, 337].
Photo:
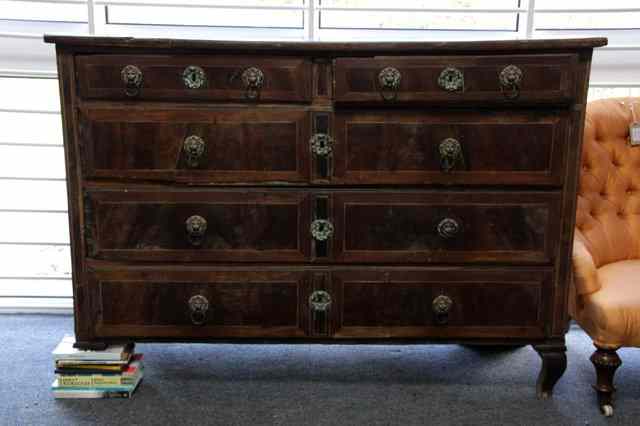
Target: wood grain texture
[399, 303]
[285, 80]
[498, 147]
[329, 48]
[241, 303]
[546, 79]
[380, 185]
[519, 227]
[240, 226]
[240, 146]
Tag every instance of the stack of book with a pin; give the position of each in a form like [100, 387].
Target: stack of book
[114, 372]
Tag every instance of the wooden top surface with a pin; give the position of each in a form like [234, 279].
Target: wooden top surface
[304, 47]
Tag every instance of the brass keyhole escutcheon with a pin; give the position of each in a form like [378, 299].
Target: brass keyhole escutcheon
[320, 301]
[194, 77]
[321, 229]
[451, 79]
[321, 144]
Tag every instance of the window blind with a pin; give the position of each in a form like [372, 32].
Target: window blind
[35, 268]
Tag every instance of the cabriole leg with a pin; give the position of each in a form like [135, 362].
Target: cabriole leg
[554, 363]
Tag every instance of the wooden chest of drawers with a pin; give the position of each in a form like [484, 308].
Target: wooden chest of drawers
[323, 192]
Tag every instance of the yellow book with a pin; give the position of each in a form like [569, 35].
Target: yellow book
[128, 377]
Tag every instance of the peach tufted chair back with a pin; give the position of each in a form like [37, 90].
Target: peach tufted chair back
[608, 211]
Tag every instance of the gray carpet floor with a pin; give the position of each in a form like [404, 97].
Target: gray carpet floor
[200, 384]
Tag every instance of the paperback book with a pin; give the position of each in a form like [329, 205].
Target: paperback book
[114, 372]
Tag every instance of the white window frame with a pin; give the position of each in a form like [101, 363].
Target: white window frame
[35, 60]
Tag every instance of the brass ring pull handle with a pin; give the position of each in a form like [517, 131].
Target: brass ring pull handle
[450, 152]
[389, 82]
[196, 226]
[194, 77]
[320, 301]
[321, 229]
[321, 144]
[253, 80]
[448, 228]
[132, 79]
[193, 148]
[451, 79]
[510, 80]
[198, 307]
[441, 306]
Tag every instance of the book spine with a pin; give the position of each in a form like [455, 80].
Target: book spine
[92, 395]
[94, 380]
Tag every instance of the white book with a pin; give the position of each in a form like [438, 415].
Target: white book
[66, 351]
[93, 393]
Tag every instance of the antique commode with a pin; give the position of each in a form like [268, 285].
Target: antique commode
[322, 192]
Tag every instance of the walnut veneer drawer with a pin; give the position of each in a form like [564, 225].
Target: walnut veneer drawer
[194, 77]
[196, 145]
[496, 79]
[446, 227]
[191, 304]
[326, 226]
[348, 302]
[440, 302]
[198, 225]
[450, 147]
[217, 146]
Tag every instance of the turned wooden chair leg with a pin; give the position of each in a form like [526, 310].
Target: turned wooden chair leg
[606, 361]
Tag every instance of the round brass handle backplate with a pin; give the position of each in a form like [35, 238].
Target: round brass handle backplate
[198, 305]
[196, 226]
[193, 148]
[389, 82]
[132, 79]
[450, 151]
[441, 306]
[510, 80]
[253, 80]
[448, 228]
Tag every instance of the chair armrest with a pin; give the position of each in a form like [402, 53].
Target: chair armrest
[585, 276]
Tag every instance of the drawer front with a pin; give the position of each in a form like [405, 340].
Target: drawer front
[441, 302]
[499, 79]
[192, 304]
[328, 226]
[220, 78]
[196, 146]
[446, 227]
[199, 226]
[473, 148]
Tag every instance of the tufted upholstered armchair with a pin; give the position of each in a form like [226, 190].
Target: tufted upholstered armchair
[605, 297]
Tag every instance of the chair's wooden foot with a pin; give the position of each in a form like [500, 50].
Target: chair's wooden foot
[554, 363]
[606, 361]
